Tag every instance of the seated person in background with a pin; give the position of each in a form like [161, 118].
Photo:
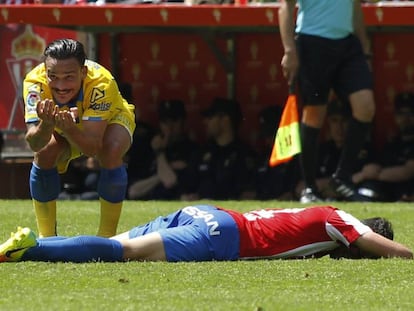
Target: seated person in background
[276, 182]
[224, 168]
[140, 155]
[330, 150]
[80, 182]
[210, 233]
[172, 149]
[392, 177]
[1, 141]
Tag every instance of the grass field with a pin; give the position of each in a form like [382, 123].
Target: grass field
[318, 284]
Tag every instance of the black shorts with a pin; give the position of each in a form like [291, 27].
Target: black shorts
[327, 64]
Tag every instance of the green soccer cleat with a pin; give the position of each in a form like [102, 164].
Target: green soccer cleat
[18, 243]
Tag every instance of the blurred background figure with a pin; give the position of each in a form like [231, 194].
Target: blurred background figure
[276, 182]
[1, 142]
[171, 151]
[225, 166]
[140, 155]
[391, 178]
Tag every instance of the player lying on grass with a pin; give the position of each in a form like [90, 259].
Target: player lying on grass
[206, 233]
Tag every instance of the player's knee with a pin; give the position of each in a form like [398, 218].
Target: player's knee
[112, 184]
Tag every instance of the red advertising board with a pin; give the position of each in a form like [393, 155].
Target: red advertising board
[393, 66]
[171, 66]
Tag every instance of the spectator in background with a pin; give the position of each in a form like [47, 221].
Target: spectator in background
[172, 149]
[276, 182]
[224, 167]
[392, 178]
[1, 141]
[18, 2]
[140, 155]
[338, 116]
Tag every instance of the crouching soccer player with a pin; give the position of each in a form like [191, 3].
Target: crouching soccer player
[206, 233]
[73, 107]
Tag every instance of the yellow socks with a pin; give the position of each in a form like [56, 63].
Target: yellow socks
[110, 213]
[45, 217]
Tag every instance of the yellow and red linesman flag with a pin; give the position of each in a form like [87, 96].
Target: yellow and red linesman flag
[287, 141]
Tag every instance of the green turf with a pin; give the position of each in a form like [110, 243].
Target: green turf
[319, 284]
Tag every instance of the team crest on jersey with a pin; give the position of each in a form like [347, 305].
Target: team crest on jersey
[97, 94]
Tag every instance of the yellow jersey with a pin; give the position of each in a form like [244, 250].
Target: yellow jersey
[98, 100]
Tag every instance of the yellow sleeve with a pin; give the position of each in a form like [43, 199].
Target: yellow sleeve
[34, 90]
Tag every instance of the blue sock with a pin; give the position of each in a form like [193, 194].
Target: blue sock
[44, 184]
[112, 184]
[75, 249]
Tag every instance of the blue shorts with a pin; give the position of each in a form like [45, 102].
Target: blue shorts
[195, 233]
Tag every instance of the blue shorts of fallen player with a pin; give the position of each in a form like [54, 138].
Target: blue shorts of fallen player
[195, 233]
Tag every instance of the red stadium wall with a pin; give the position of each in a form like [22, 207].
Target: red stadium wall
[161, 66]
[179, 65]
[393, 66]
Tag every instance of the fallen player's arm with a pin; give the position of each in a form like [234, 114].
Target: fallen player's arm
[375, 244]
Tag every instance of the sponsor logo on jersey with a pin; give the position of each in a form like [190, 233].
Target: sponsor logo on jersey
[32, 99]
[100, 106]
[97, 94]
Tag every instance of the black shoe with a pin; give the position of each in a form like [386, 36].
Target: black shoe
[310, 195]
[346, 190]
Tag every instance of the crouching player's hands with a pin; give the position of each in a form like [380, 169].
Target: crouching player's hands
[65, 119]
[46, 111]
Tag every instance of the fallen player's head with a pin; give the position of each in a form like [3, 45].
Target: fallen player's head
[379, 225]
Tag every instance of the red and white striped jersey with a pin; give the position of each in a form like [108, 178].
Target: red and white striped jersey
[297, 232]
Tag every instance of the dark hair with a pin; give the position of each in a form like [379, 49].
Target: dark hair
[225, 106]
[65, 49]
[381, 226]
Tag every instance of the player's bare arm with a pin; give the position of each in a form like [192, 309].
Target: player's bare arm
[377, 245]
[290, 62]
[39, 133]
[359, 27]
[397, 173]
